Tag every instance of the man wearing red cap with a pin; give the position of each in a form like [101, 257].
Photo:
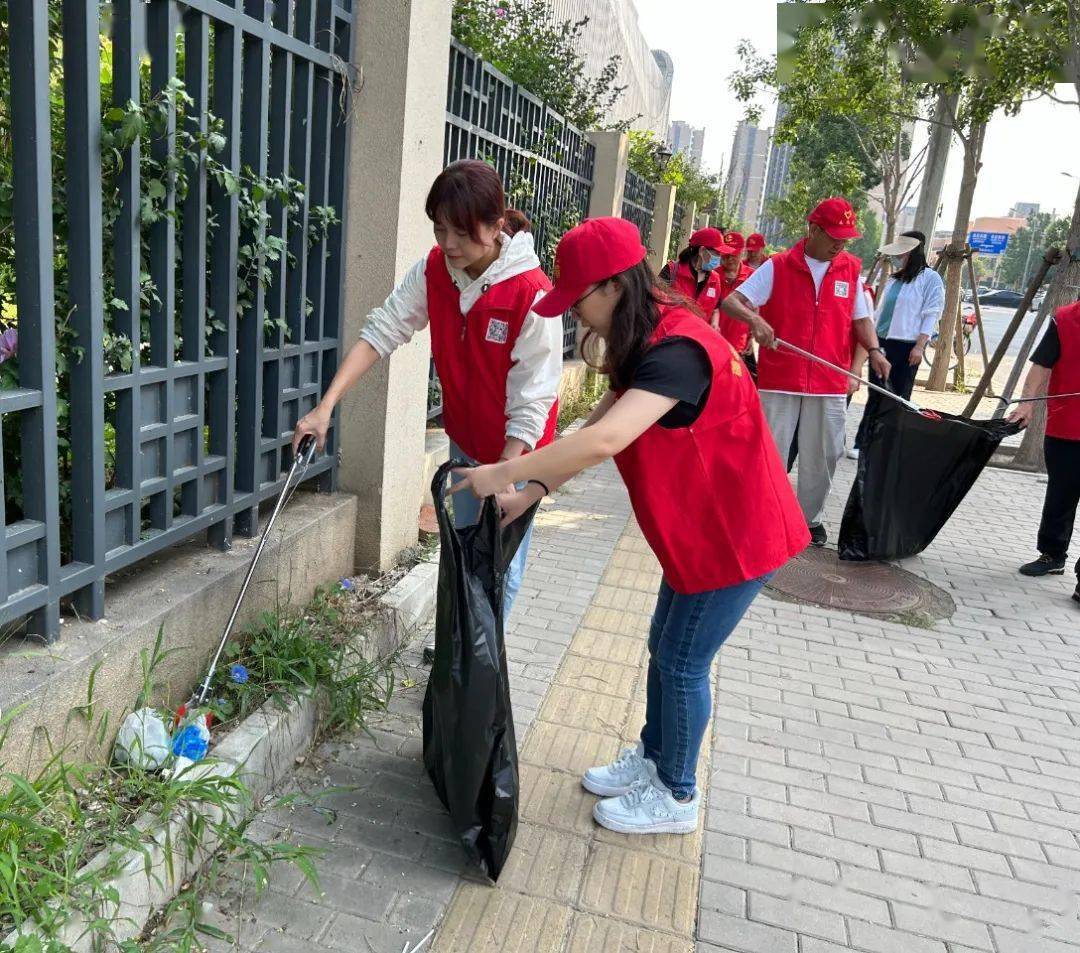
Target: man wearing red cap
[755, 251]
[811, 296]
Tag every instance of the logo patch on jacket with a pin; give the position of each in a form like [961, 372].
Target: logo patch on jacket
[841, 289]
[710, 293]
[497, 331]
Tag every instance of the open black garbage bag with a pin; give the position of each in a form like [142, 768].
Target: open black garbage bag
[913, 473]
[470, 750]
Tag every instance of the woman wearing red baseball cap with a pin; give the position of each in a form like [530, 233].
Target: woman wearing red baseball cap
[685, 426]
[733, 272]
[696, 272]
[499, 362]
[756, 256]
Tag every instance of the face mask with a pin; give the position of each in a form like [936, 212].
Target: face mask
[897, 263]
[711, 263]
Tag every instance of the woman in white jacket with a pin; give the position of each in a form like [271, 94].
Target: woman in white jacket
[499, 364]
[906, 317]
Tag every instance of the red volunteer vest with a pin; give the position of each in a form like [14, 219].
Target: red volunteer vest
[819, 323]
[473, 355]
[713, 499]
[685, 282]
[736, 331]
[1063, 416]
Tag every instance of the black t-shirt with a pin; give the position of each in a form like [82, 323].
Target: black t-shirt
[679, 368]
[1048, 353]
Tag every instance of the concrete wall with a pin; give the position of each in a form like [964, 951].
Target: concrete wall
[396, 151]
[188, 594]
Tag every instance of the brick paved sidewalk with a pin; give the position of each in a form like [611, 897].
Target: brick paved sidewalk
[873, 786]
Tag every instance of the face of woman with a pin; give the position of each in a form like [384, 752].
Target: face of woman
[461, 248]
[707, 260]
[595, 308]
[899, 261]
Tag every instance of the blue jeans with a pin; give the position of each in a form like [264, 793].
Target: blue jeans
[467, 513]
[686, 634]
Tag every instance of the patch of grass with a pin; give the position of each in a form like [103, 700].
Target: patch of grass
[52, 825]
[580, 402]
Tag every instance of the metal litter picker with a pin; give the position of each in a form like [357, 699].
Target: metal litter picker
[305, 454]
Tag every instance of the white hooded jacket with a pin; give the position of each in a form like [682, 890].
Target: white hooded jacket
[533, 382]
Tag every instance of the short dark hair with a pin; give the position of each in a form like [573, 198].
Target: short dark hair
[916, 263]
[467, 194]
[517, 221]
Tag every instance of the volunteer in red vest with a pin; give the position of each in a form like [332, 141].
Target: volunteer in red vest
[685, 427]
[733, 272]
[756, 256]
[696, 272]
[499, 363]
[1055, 369]
[813, 297]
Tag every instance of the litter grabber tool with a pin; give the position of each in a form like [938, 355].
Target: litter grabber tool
[193, 738]
[1032, 400]
[910, 405]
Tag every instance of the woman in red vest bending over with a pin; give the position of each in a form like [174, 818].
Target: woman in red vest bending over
[684, 424]
[498, 362]
[696, 273]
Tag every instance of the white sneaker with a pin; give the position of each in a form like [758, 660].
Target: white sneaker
[648, 808]
[612, 780]
[852, 453]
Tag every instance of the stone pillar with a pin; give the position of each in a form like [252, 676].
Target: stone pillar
[396, 150]
[663, 218]
[686, 226]
[609, 172]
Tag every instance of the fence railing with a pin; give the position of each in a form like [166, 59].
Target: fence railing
[546, 163]
[190, 310]
[639, 200]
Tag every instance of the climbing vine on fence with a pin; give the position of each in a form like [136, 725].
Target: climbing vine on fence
[147, 122]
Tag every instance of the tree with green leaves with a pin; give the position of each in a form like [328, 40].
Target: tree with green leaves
[522, 39]
[1021, 258]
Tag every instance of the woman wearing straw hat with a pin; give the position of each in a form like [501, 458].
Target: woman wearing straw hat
[906, 316]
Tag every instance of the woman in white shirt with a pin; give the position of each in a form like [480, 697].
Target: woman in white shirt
[906, 317]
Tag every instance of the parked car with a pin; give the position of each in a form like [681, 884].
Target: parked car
[1002, 299]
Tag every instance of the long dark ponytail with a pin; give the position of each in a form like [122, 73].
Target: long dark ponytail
[633, 322]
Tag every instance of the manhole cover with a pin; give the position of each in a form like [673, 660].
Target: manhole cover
[819, 577]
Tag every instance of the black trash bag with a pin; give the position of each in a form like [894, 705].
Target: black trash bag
[914, 471]
[470, 751]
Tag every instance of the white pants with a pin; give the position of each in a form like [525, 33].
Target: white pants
[820, 423]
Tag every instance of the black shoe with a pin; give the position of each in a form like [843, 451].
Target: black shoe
[1044, 566]
[818, 536]
[429, 654]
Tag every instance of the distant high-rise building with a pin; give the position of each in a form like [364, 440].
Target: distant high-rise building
[1025, 209]
[682, 137]
[745, 184]
[906, 221]
[777, 182]
[646, 73]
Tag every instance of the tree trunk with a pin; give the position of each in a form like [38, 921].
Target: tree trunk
[1063, 290]
[937, 160]
[954, 270]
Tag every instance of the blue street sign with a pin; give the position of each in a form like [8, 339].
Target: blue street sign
[989, 243]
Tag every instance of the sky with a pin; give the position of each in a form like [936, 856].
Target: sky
[1023, 158]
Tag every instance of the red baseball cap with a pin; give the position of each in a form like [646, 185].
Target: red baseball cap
[755, 242]
[837, 217]
[736, 241]
[711, 238]
[597, 249]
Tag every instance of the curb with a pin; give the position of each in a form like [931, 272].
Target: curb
[261, 751]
